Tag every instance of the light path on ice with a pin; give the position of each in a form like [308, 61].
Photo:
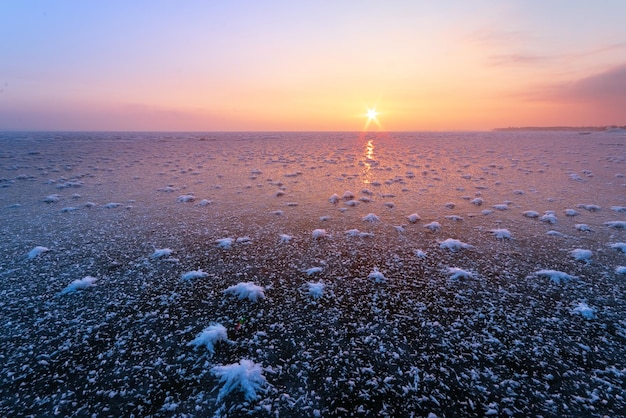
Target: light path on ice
[246, 290]
[501, 233]
[621, 246]
[79, 284]
[457, 273]
[377, 276]
[161, 252]
[209, 337]
[554, 275]
[35, 252]
[454, 245]
[318, 233]
[194, 274]
[584, 310]
[245, 376]
[580, 254]
[316, 290]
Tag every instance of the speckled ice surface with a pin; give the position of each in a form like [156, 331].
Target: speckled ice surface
[494, 313]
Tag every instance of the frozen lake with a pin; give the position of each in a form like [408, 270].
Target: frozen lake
[401, 274]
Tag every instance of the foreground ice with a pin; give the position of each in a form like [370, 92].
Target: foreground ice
[399, 321]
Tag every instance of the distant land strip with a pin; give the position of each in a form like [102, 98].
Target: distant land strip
[560, 128]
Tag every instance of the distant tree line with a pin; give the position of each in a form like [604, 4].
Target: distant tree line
[560, 128]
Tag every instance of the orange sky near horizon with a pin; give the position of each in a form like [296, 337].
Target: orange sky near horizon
[311, 66]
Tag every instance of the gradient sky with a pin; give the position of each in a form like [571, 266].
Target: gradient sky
[311, 65]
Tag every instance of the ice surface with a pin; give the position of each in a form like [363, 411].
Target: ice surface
[428, 340]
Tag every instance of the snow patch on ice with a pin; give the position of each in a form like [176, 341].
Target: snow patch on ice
[581, 255]
[194, 274]
[37, 251]
[209, 337]
[584, 310]
[161, 252]
[501, 233]
[377, 276]
[457, 273]
[454, 245]
[316, 290]
[79, 284]
[245, 376]
[554, 275]
[246, 290]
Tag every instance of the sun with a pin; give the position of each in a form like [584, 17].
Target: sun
[372, 116]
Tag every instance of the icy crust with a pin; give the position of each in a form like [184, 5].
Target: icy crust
[470, 332]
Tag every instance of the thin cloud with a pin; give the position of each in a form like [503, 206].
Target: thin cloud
[608, 87]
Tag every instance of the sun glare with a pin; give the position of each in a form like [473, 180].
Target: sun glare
[372, 116]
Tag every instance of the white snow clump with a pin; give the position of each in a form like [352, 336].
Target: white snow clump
[245, 376]
[501, 233]
[209, 336]
[454, 245]
[554, 275]
[584, 310]
[433, 226]
[620, 246]
[79, 284]
[370, 217]
[581, 255]
[377, 276]
[161, 252]
[318, 233]
[316, 290]
[246, 290]
[194, 274]
[37, 251]
[457, 273]
[225, 243]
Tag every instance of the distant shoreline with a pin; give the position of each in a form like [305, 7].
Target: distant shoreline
[560, 128]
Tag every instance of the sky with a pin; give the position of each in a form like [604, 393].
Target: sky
[311, 65]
